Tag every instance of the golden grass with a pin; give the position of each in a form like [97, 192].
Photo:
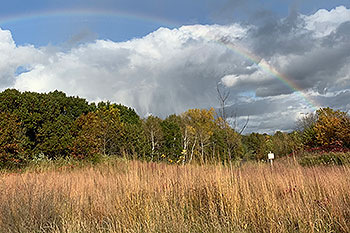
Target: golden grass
[121, 196]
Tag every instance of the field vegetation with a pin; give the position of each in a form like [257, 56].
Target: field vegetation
[117, 195]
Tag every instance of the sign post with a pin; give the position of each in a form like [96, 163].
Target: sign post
[271, 157]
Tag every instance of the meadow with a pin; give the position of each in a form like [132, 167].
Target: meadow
[133, 196]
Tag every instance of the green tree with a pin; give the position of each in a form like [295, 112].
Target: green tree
[226, 143]
[305, 126]
[172, 138]
[54, 138]
[256, 145]
[45, 119]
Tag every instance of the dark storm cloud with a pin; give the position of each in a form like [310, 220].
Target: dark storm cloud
[262, 106]
[277, 89]
[299, 54]
[318, 68]
[266, 115]
[338, 101]
[286, 36]
[318, 65]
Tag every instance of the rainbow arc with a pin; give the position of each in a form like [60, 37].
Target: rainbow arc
[88, 13]
[267, 68]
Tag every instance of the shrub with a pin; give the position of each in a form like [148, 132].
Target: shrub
[331, 158]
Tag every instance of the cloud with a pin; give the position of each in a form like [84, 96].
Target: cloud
[325, 22]
[83, 36]
[12, 57]
[167, 71]
[170, 71]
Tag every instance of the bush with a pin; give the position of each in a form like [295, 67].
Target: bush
[330, 158]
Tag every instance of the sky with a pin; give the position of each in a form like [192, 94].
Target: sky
[279, 60]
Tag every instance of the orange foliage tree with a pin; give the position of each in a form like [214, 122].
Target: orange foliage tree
[11, 137]
[332, 127]
[97, 133]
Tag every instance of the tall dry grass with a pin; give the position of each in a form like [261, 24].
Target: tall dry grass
[132, 196]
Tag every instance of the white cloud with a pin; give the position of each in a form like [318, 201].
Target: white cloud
[12, 57]
[166, 71]
[324, 22]
[230, 80]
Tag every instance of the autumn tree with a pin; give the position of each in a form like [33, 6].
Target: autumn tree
[87, 136]
[200, 125]
[110, 128]
[345, 125]
[332, 127]
[153, 131]
[98, 133]
[11, 140]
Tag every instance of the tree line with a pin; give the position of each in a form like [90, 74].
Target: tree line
[58, 126]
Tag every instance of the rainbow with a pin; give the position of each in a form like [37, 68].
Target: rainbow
[9, 19]
[267, 68]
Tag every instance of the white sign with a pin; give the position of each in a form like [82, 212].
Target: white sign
[271, 155]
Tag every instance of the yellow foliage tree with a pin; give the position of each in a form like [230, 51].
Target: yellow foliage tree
[200, 124]
[332, 127]
[97, 133]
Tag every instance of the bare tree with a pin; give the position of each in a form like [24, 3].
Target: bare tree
[223, 95]
[306, 121]
[244, 126]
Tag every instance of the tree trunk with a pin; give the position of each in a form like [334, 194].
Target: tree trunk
[194, 144]
[153, 144]
[185, 148]
[202, 150]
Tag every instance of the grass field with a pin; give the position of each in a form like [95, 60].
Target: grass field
[132, 196]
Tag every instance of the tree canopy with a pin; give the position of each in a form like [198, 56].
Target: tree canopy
[60, 126]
